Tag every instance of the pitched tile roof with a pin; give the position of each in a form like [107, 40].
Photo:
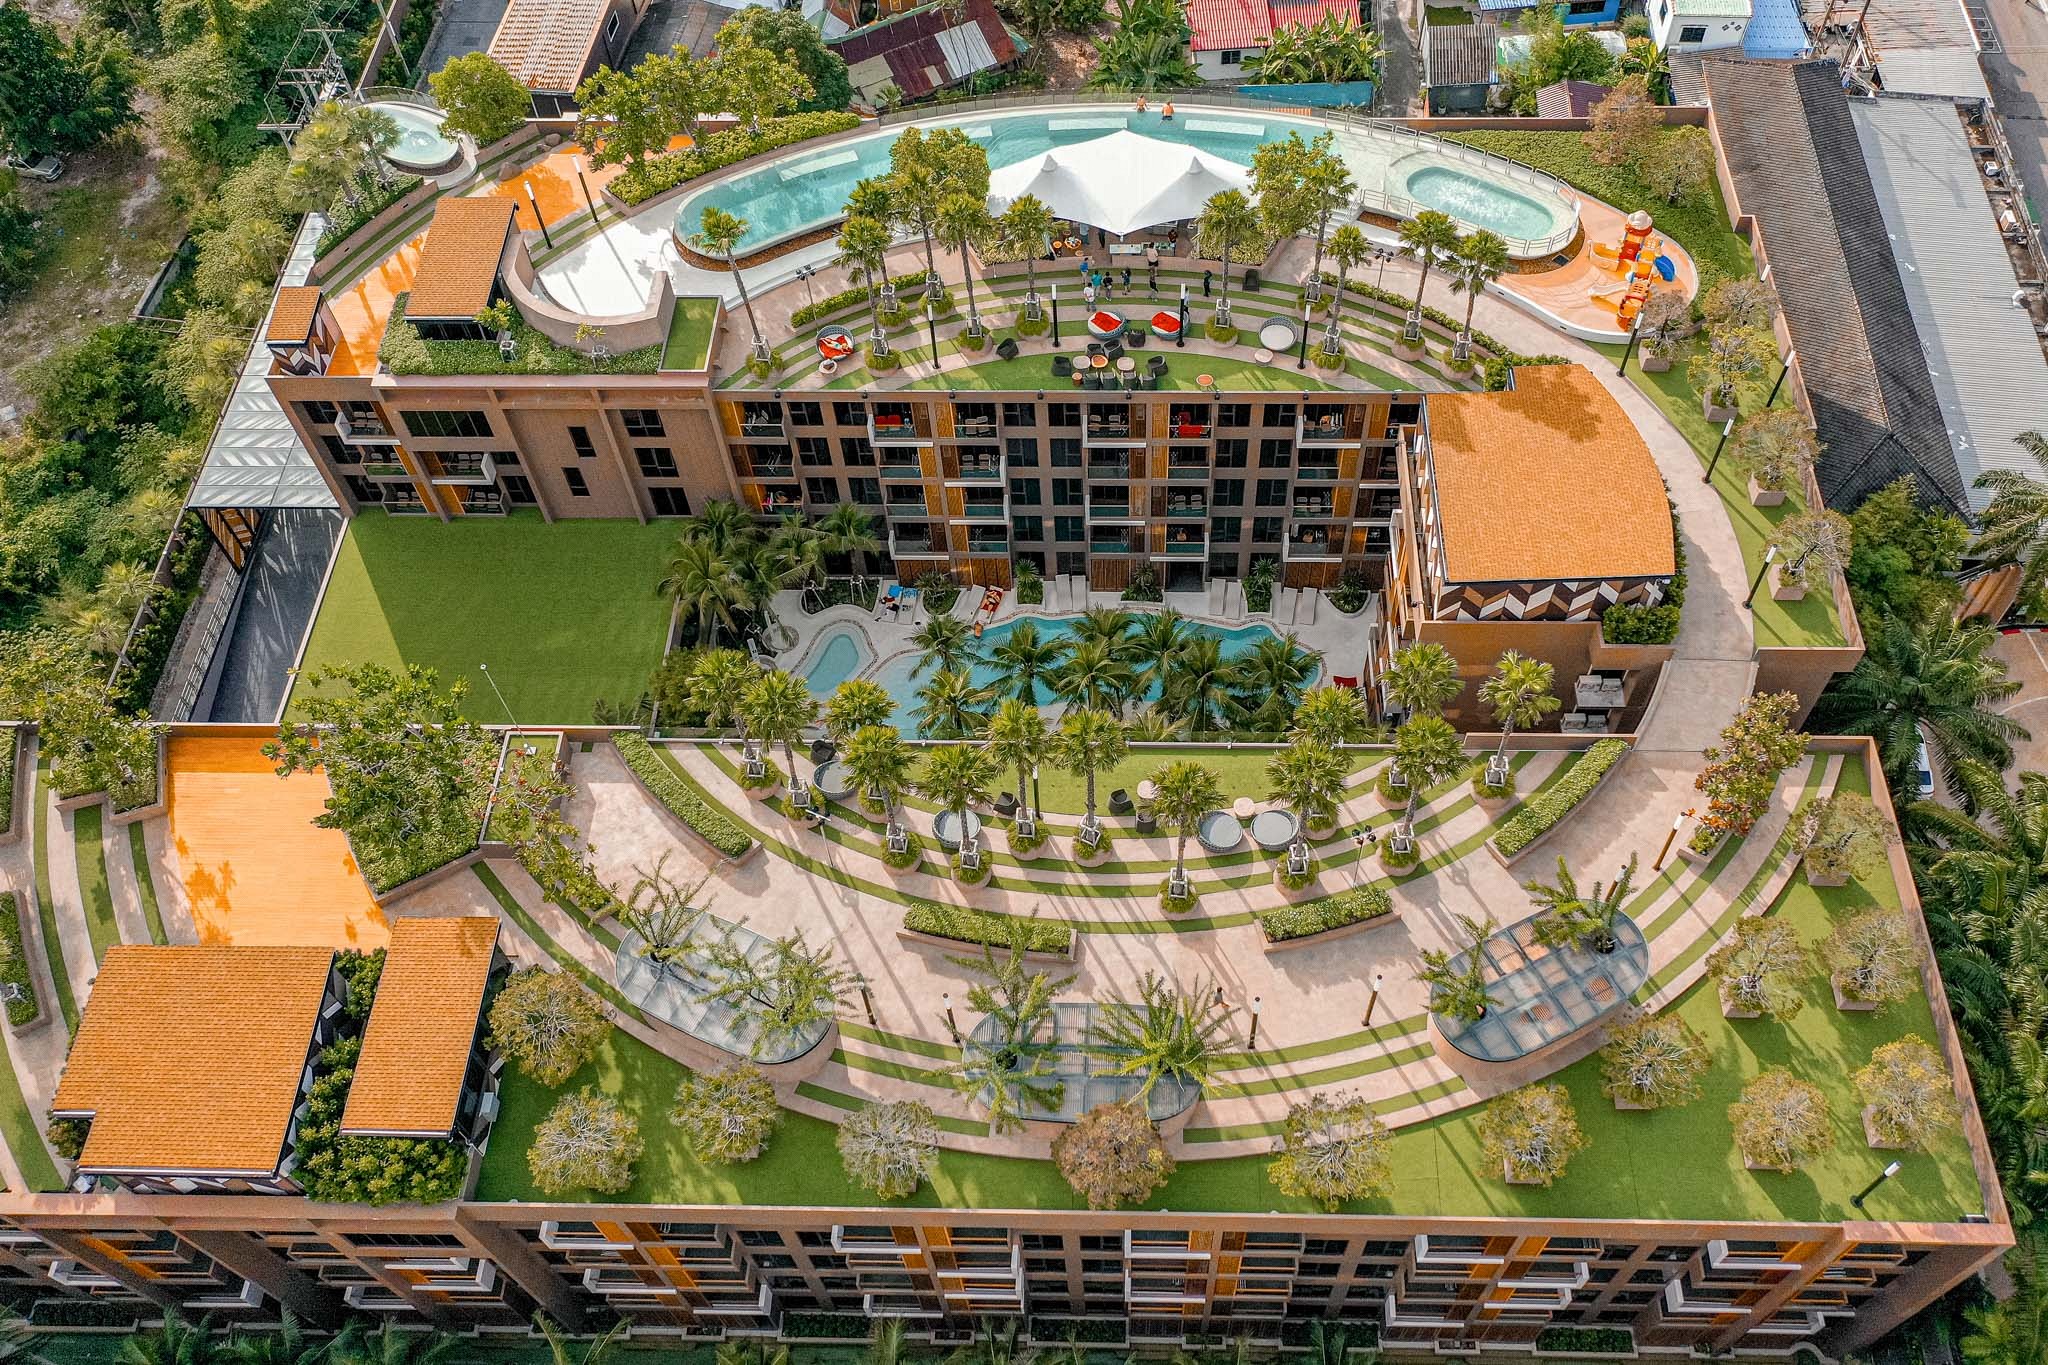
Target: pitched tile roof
[1460, 54]
[459, 262]
[1569, 99]
[1548, 480]
[547, 43]
[1791, 149]
[291, 317]
[928, 49]
[189, 1058]
[1221, 24]
[430, 998]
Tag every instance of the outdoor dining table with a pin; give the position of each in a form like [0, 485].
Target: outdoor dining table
[1146, 791]
[1244, 807]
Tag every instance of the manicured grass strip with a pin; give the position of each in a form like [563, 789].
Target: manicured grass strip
[1391, 1104]
[1329, 1075]
[901, 1042]
[18, 1127]
[509, 903]
[145, 883]
[46, 902]
[811, 1090]
[93, 891]
[895, 1071]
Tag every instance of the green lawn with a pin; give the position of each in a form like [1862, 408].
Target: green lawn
[46, 901]
[689, 335]
[18, 1128]
[1447, 16]
[145, 883]
[1241, 771]
[1034, 370]
[1671, 1164]
[565, 615]
[93, 891]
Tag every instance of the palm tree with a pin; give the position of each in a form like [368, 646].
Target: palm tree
[963, 220]
[1111, 625]
[1348, 246]
[562, 1352]
[1165, 1034]
[1459, 989]
[1183, 792]
[1012, 1070]
[718, 234]
[1309, 777]
[1094, 676]
[1426, 751]
[864, 254]
[1228, 221]
[703, 584]
[945, 643]
[856, 704]
[390, 1346]
[957, 776]
[1026, 227]
[951, 706]
[2016, 523]
[1016, 734]
[1327, 190]
[1026, 660]
[1422, 679]
[1332, 716]
[1572, 918]
[1198, 681]
[795, 555]
[1934, 678]
[723, 525]
[1159, 639]
[1431, 238]
[849, 529]
[2015, 1330]
[286, 1346]
[1270, 678]
[718, 679]
[885, 1338]
[1482, 257]
[879, 762]
[1091, 739]
[1518, 695]
[778, 708]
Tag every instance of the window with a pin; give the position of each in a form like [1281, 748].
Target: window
[1029, 527]
[1230, 452]
[1099, 1242]
[437, 424]
[1693, 33]
[518, 488]
[611, 29]
[579, 441]
[1587, 7]
[1227, 493]
[319, 412]
[856, 452]
[1272, 493]
[1279, 414]
[1069, 529]
[1231, 56]
[850, 414]
[574, 478]
[760, 1239]
[824, 492]
[1024, 492]
[1044, 1241]
[1225, 531]
[1324, 1246]
[643, 422]
[865, 491]
[1063, 414]
[1276, 454]
[338, 450]
[1022, 451]
[813, 450]
[776, 1261]
[1066, 452]
[1233, 414]
[1067, 493]
[1266, 530]
[656, 462]
[668, 502]
[806, 415]
[1020, 414]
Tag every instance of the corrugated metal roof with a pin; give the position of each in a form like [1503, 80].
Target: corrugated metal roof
[927, 49]
[1903, 25]
[1223, 24]
[1950, 72]
[1460, 54]
[1981, 351]
[1569, 99]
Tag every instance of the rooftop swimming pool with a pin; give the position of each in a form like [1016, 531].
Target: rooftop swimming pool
[421, 147]
[1393, 167]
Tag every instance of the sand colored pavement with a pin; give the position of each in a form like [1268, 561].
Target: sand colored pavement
[246, 862]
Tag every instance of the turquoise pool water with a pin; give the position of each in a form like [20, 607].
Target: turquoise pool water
[839, 648]
[422, 146]
[1475, 199]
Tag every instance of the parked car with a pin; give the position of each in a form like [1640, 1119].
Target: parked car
[45, 168]
[1923, 774]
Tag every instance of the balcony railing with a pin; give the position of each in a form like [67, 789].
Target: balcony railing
[980, 473]
[1322, 432]
[363, 431]
[991, 546]
[886, 430]
[386, 469]
[985, 511]
[1111, 434]
[769, 428]
[1181, 549]
[1111, 511]
[1316, 473]
[1309, 507]
[1188, 473]
[772, 471]
[974, 431]
[1180, 509]
[1112, 545]
[1310, 548]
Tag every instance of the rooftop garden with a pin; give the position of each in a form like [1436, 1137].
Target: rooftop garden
[403, 351]
[690, 330]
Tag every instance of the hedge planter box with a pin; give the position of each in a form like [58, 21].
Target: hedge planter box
[1544, 812]
[1331, 935]
[1731, 1011]
[1872, 1137]
[1701, 856]
[1578, 1343]
[1786, 589]
[919, 939]
[1850, 1003]
[1760, 496]
[1626, 1107]
[18, 784]
[425, 879]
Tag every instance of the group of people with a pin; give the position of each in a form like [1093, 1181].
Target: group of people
[1165, 110]
[1097, 282]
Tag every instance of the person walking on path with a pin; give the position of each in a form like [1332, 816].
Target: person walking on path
[1207, 276]
[1088, 295]
[1126, 280]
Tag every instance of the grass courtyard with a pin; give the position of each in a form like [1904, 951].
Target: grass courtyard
[565, 615]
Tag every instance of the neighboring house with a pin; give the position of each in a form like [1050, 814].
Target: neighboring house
[1576, 12]
[1458, 66]
[1698, 25]
[1570, 99]
[551, 45]
[1228, 34]
[927, 50]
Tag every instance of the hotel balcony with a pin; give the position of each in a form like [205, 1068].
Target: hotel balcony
[374, 1298]
[363, 431]
[995, 543]
[872, 1240]
[1317, 472]
[1190, 424]
[1182, 506]
[1184, 542]
[1110, 464]
[976, 472]
[895, 428]
[900, 462]
[625, 1281]
[763, 424]
[1411, 1316]
[761, 1305]
[1312, 545]
[770, 471]
[1103, 543]
[386, 469]
[1188, 471]
[1453, 1251]
[898, 1306]
[1310, 506]
[1327, 425]
[1112, 430]
[912, 546]
[470, 470]
[1148, 1246]
[982, 511]
[974, 423]
[1113, 513]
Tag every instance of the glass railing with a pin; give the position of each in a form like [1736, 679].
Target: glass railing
[1112, 547]
[980, 511]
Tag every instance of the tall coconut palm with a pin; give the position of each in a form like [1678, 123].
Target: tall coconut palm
[704, 584]
[1017, 735]
[1026, 228]
[1091, 740]
[864, 254]
[1431, 239]
[1934, 677]
[1094, 676]
[1182, 793]
[718, 234]
[1151, 649]
[1332, 716]
[1348, 246]
[885, 1338]
[1198, 683]
[1422, 679]
[849, 529]
[778, 708]
[1481, 258]
[1268, 679]
[1309, 777]
[1111, 625]
[856, 704]
[951, 706]
[946, 643]
[2016, 523]
[880, 764]
[795, 555]
[957, 776]
[718, 679]
[1518, 696]
[1327, 190]
[1426, 751]
[1026, 660]
[964, 221]
[1228, 221]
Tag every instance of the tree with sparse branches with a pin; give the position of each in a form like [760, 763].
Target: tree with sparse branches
[1776, 448]
[1532, 1133]
[1010, 1071]
[1731, 360]
[1678, 164]
[727, 1115]
[1844, 835]
[1623, 124]
[1113, 1156]
[1740, 301]
[890, 1148]
[1871, 958]
[1458, 990]
[1813, 546]
[1908, 1095]
[548, 1023]
[1756, 968]
[659, 911]
[1781, 1122]
[780, 996]
[1666, 318]
[587, 1142]
[1332, 1150]
[1653, 1061]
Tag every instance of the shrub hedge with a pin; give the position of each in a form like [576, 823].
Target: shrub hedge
[8, 736]
[13, 966]
[968, 925]
[849, 298]
[639, 183]
[683, 801]
[344, 218]
[1598, 1341]
[1330, 912]
[1538, 817]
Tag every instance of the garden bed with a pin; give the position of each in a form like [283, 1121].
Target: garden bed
[948, 926]
[1331, 916]
[681, 798]
[1541, 814]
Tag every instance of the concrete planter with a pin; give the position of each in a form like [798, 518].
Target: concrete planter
[1309, 890]
[1507, 1173]
[1397, 801]
[1786, 589]
[1693, 855]
[1872, 1137]
[1850, 1004]
[1330, 935]
[23, 781]
[1814, 878]
[1713, 411]
[159, 806]
[425, 879]
[1411, 351]
[1629, 1107]
[1760, 496]
[1089, 857]
[957, 946]
[1730, 1011]
[1654, 361]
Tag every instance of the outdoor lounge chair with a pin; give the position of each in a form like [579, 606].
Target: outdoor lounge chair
[1119, 802]
[1007, 348]
[1062, 367]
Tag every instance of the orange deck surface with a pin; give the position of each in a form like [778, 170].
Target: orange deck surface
[254, 867]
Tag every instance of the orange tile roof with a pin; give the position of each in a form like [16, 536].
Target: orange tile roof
[459, 263]
[291, 319]
[1549, 480]
[429, 999]
[547, 43]
[189, 1058]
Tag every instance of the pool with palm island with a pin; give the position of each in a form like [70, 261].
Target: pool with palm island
[1251, 660]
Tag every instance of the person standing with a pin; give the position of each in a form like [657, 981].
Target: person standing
[1108, 290]
[1126, 280]
[1167, 112]
[1088, 295]
[1173, 240]
[1151, 255]
[1207, 275]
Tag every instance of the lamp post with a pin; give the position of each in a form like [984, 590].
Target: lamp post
[1055, 315]
[867, 998]
[804, 273]
[1770, 557]
[1372, 1002]
[1253, 1044]
[544, 234]
[1886, 1174]
[485, 669]
[587, 197]
[1382, 256]
[1665, 852]
[1301, 355]
[1180, 337]
[1635, 329]
[946, 1000]
[1726, 427]
[1037, 811]
[1790, 356]
[931, 326]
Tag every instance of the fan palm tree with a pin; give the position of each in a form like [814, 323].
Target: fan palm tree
[718, 234]
[1094, 676]
[957, 776]
[963, 221]
[1017, 735]
[2016, 523]
[1932, 677]
[1198, 683]
[1164, 1034]
[1269, 679]
[389, 1345]
[1571, 918]
[778, 708]
[945, 643]
[1091, 740]
[1517, 696]
[1422, 679]
[1010, 1072]
[1026, 228]
[703, 583]
[1111, 625]
[1480, 259]
[951, 706]
[1332, 716]
[1348, 246]
[1027, 660]
[1309, 777]
[1228, 221]
[880, 763]
[864, 254]
[1183, 792]
[795, 555]
[856, 704]
[1431, 239]
[1151, 649]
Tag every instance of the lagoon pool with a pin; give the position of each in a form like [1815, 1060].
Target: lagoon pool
[1472, 199]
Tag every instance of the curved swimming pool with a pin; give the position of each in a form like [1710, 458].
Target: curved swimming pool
[422, 147]
[1471, 199]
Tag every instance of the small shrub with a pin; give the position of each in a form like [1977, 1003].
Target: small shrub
[67, 1136]
[1258, 587]
[1531, 1133]
[911, 856]
[14, 969]
[1911, 1098]
[682, 799]
[1321, 916]
[968, 925]
[847, 299]
[1113, 1156]
[825, 1326]
[1144, 586]
[1352, 592]
[1539, 816]
[1178, 905]
[1222, 336]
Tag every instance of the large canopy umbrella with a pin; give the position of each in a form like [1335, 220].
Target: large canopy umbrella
[1121, 182]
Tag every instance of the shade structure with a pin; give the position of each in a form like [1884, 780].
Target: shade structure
[1121, 182]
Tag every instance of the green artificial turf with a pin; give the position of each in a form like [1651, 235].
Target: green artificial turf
[1242, 772]
[145, 883]
[565, 615]
[689, 335]
[93, 891]
[24, 1140]
[46, 901]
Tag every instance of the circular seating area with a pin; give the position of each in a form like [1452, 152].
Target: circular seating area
[834, 781]
[1274, 830]
[1220, 831]
[1278, 334]
[945, 828]
[1103, 324]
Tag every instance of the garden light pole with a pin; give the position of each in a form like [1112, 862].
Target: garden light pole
[587, 197]
[1180, 336]
[1253, 1044]
[1301, 356]
[867, 998]
[1770, 555]
[1037, 811]
[1635, 330]
[1790, 356]
[931, 324]
[485, 669]
[946, 999]
[1665, 852]
[1726, 428]
[1372, 1002]
[537, 215]
[1886, 1174]
[1055, 315]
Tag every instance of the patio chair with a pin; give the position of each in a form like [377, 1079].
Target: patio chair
[1062, 366]
[1120, 802]
[1130, 382]
[1134, 337]
[1091, 380]
[1148, 823]
[1114, 350]
[1094, 349]
[1007, 348]
[1251, 281]
[1149, 381]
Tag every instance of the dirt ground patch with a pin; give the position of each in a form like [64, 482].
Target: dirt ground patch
[1068, 59]
[2025, 655]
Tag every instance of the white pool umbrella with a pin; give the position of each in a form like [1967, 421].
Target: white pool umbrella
[1121, 182]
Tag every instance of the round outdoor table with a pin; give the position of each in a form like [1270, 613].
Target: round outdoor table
[1219, 831]
[1207, 381]
[1100, 362]
[943, 829]
[1275, 829]
[1125, 364]
[1146, 791]
[1263, 356]
[833, 781]
[1244, 807]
